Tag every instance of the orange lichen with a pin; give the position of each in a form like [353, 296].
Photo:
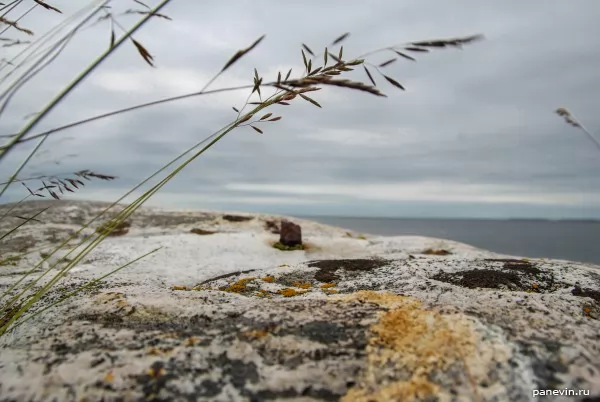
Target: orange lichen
[587, 310]
[192, 341]
[327, 285]
[289, 292]
[122, 303]
[535, 286]
[156, 373]
[269, 279]
[239, 286]
[421, 341]
[263, 293]
[256, 334]
[302, 285]
[154, 351]
[330, 291]
[109, 377]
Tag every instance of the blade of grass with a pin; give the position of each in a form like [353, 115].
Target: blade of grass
[63, 93]
[7, 327]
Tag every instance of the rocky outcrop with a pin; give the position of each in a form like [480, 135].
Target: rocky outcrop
[226, 317]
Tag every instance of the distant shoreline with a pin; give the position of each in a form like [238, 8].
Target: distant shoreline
[434, 218]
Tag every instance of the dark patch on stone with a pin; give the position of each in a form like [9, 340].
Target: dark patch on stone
[594, 294]
[60, 348]
[515, 275]
[208, 388]
[155, 380]
[431, 251]
[120, 229]
[594, 398]
[202, 231]
[97, 362]
[238, 371]
[323, 332]
[319, 394]
[546, 364]
[237, 218]
[479, 278]
[327, 268]
[272, 227]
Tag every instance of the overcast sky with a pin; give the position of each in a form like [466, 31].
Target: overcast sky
[473, 135]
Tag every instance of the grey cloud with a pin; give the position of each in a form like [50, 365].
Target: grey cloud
[482, 115]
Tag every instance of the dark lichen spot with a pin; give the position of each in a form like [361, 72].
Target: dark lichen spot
[578, 291]
[202, 231]
[323, 332]
[480, 278]
[319, 394]
[431, 251]
[154, 379]
[237, 218]
[113, 228]
[238, 371]
[515, 275]
[272, 227]
[327, 268]
[208, 388]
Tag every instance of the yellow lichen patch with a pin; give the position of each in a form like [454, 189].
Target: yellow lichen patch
[11, 260]
[257, 333]
[263, 293]
[192, 341]
[109, 377]
[156, 373]
[423, 342]
[179, 287]
[327, 285]
[104, 298]
[361, 237]
[283, 265]
[167, 335]
[154, 351]
[302, 285]
[289, 292]
[239, 286]
[122, 303]
[269, 279]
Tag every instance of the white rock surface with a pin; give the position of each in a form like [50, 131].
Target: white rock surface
[176, 326]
